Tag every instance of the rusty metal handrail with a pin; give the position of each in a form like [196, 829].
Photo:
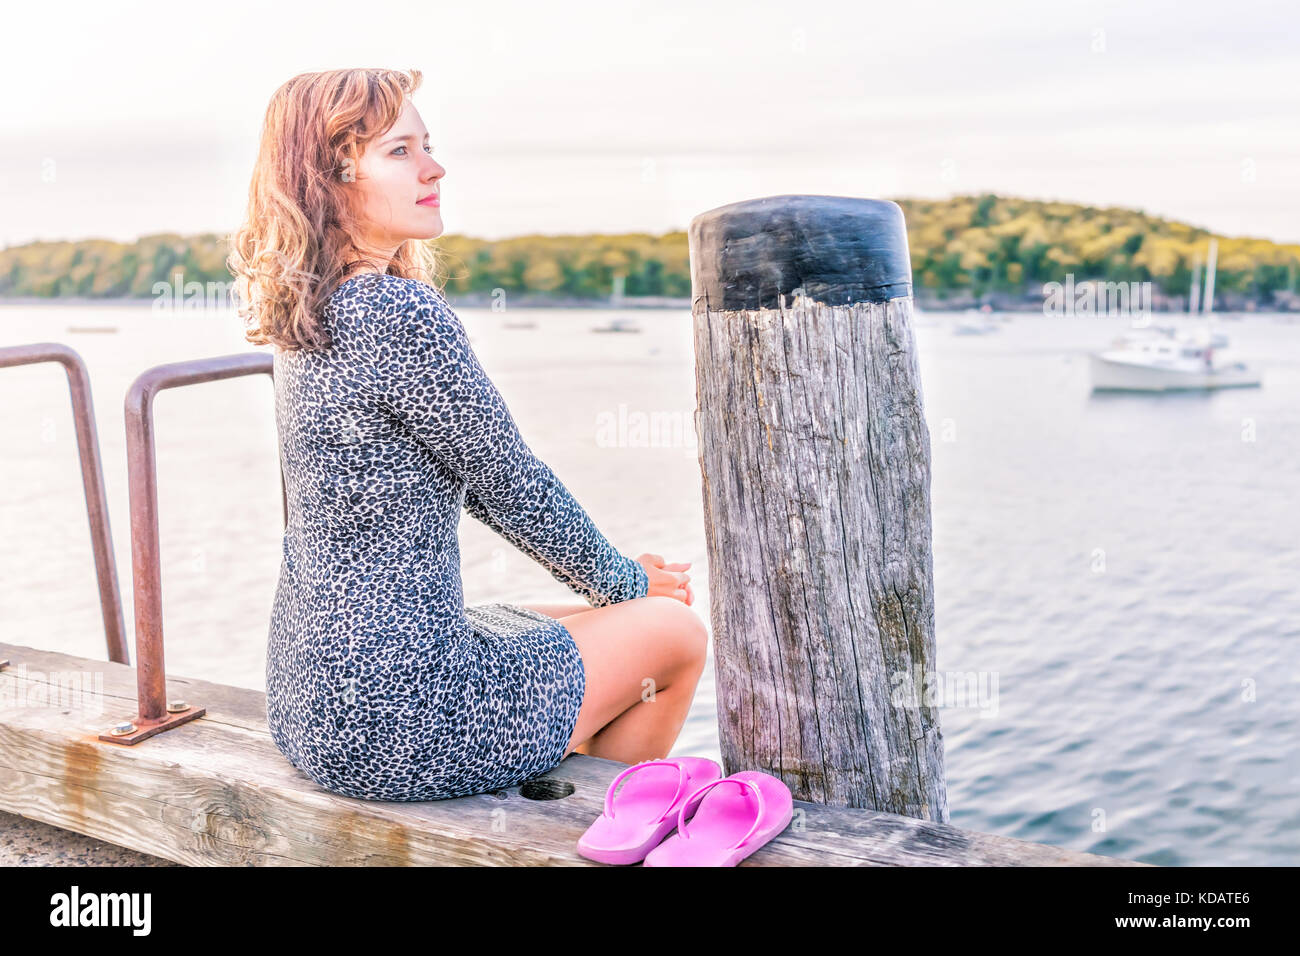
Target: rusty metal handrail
[156, 714]
[92, 480]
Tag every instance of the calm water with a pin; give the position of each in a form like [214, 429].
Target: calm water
[1125, 566]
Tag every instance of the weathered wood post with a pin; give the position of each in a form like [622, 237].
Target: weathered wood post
[816, 465]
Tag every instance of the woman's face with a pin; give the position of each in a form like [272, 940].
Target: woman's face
[395, 173]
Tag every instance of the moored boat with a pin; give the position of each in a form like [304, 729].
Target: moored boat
[1165, 363]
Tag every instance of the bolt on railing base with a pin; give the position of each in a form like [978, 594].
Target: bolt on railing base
[142, 729]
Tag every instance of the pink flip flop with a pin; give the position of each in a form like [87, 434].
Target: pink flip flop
[649, 805]
[730, 825]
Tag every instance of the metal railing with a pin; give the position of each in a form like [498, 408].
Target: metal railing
[156, 713]
[92, 479]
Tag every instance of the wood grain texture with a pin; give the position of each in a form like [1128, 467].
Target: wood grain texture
[815, 459]
[215, 791]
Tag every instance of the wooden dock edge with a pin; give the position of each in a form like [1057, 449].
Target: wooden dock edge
[217, 792]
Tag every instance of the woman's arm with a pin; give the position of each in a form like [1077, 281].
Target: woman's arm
[634, 584]
[428, 375]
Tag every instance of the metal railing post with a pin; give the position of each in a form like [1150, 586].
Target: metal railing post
[92, 480]
[156, 713]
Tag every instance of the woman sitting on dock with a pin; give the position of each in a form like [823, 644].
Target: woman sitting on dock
[380, 682]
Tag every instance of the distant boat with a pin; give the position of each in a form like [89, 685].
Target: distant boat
[1167, 362]
[1170, 360]
[975, 325]
[519, 324]
[92, 328]
[617, 324]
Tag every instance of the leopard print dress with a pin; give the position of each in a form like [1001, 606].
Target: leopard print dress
[380, 683]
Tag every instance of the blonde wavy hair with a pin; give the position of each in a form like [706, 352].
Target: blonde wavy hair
[300, 235]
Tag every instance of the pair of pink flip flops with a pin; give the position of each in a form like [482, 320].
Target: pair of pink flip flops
[741, 813]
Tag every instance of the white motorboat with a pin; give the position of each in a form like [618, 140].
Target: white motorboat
[1164, 363]
[1170, 360]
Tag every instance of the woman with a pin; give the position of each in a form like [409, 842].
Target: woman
[380, 682]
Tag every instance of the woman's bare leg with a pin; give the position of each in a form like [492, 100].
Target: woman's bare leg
[648, 729]
[559, 610]
[643, 659]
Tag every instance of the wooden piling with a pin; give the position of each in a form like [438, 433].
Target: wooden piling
[815, 459]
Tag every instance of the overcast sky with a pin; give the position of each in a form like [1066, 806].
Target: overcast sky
[124, 119]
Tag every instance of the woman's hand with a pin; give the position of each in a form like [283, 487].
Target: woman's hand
[669, 580]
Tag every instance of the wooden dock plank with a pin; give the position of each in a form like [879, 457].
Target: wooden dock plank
[216, 791]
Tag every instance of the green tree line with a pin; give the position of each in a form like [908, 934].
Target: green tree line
[966, 244]
[987, 243]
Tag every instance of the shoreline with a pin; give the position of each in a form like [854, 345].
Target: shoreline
[533, 300]
[521, 301]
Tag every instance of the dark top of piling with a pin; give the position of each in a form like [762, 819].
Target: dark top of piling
[839, 249]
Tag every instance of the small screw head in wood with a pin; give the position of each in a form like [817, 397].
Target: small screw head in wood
[176, 706]
[122, 729]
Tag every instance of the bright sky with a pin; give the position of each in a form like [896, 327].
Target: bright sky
[122, 119]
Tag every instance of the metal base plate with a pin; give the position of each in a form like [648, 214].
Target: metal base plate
[146, 729]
